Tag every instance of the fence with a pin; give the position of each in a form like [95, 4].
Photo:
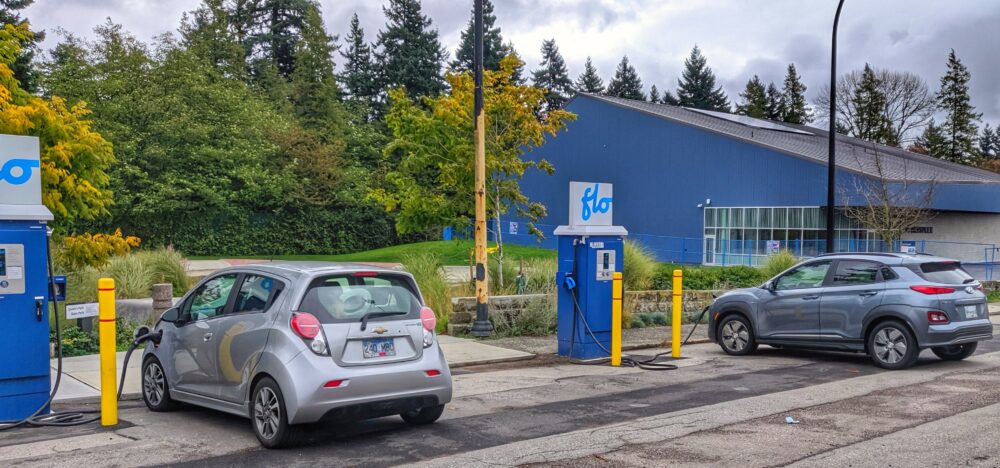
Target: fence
[980, 259]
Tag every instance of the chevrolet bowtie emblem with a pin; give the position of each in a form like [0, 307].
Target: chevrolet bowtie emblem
[379, 330]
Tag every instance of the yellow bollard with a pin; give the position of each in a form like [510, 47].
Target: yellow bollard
[616, 319]
[106, 329]
[676, 311]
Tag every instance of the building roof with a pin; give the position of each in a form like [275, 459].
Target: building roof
[810, 143]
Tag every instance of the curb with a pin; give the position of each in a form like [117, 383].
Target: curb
[480, 362]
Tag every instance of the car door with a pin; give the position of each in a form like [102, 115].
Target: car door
[195, 360]
[791, 310]
[855, 288]
[241, 333]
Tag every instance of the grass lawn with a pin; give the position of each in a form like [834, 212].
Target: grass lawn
[454, 252]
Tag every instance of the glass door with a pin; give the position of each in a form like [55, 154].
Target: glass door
[709, 253]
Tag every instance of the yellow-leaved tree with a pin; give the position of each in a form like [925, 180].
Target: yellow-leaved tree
[74, 158]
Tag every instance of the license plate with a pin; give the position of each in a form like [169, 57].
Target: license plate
[379, 347]
[971, 311]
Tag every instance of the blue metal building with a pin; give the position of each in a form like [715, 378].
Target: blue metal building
[705, 187]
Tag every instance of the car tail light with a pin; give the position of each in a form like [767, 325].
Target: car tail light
[333, 383]
[428, 318]
[365, 273]
[305, 324]
[433, 373]
[937, 317]
[932, 289]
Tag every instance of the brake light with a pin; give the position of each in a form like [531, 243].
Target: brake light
[932, 289]
[305, 325]
[365, 273]
[433, 373]
[937, 317]
[428, 318]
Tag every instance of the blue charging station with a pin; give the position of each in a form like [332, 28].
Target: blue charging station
[24, 280]
[590, 252]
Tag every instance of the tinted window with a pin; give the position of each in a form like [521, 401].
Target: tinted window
[945, 272]
[255, 294]
[210, 299]
[855, 272]
[805, 276]
[347, 298]
[888, 274]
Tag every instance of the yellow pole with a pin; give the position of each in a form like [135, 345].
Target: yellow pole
[106, 329]
[616, 319]
[676, 311]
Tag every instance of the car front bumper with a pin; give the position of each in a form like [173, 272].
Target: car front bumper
[367, 391]
[958, 333]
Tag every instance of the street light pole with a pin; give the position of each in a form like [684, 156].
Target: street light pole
[481, 327]
[831, 168]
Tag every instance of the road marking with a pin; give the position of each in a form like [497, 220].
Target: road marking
[57, 446]
[603, 439]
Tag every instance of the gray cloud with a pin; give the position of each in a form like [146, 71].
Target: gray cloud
[740, 37]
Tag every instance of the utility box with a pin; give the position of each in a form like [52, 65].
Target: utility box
[590, 251]
[24, 280]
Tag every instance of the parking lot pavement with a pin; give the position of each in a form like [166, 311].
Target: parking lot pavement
[547, 411]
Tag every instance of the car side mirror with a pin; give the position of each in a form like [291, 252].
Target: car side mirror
[171, 315]
[770, 286]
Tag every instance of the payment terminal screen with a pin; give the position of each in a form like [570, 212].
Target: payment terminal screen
[3, 262]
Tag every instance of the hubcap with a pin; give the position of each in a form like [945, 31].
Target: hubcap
[890, 345]
[266, 412]
[153, 384]
[735, 335]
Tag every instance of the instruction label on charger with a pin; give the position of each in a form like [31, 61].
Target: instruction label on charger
[78, 311]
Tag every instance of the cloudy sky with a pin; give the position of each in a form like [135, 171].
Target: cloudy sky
[740, 37]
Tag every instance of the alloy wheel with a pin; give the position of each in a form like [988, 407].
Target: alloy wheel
[153, 383]
[266, 413]
[735, 335]
[890, 345]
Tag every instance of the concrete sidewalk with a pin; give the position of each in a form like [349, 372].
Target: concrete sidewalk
[81, 377]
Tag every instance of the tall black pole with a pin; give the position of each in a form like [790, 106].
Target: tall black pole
[482, 326]
[831, 168]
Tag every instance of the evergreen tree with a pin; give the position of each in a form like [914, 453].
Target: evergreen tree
[669, 98]
[494, 48]
[315, 94]
[626, 83]
[869, 101]
[774, 107]
[931, 142]
[794, 95]
[697, 89]
[23, 67]
[989, 143]
[553, 76]
[206, 33]
[269, 31]
[358, 76]
[589, 81]
[753, 99]
[959, 127]
[654, 95]
[410, 54]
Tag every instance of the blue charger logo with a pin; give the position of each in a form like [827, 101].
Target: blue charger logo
[596, 205]
[25, 165]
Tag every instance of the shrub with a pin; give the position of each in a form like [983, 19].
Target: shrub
[94, 250]
[426, 269]
[167, 266]
[777, 263]
[537, 318]
[134, 275]
[739, 276]
[76, 342]
[638, 267]
[636, 321]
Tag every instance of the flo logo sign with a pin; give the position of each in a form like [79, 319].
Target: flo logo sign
[590, 204]
[20, 171]
[17, 171]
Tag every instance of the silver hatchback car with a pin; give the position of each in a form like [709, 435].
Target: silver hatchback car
[890, 306]
[292, 343]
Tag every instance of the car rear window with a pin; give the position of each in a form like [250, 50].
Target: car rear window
[945, 272]
[348, 297]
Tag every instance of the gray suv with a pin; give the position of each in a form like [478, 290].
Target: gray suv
[890, 306]
[285, 344]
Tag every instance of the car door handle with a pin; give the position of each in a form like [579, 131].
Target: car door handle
[868, 293]
[809, 298]
[208, 336]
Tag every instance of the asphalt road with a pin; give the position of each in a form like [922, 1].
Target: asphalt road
[714, 410]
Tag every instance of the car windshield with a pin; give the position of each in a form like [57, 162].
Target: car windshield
[945, 272]
[347, 298]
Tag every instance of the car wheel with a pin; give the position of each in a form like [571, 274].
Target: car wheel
[955, 352]
[423, 415]
[736, 337]
[155, 390]
[892, 346]
[268, 415]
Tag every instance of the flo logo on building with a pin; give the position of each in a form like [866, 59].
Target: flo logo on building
[590, 204]
[17, 171]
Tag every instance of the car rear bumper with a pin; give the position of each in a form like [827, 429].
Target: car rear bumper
[958, 333]
[367, 391]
